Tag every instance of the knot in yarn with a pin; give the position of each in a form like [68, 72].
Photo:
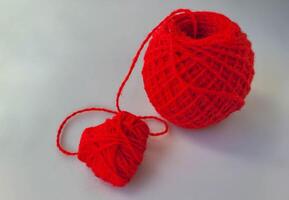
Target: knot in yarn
[198, 68]
[115, 148]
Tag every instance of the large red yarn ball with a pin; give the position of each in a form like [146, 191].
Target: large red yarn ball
[114, 149]
[198, 68]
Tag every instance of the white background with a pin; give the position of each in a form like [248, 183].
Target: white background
[60, 55]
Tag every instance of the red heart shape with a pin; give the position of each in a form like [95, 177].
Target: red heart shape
[114, 149]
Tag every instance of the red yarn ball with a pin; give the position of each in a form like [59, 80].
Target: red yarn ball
[114, 149]
[198, 68]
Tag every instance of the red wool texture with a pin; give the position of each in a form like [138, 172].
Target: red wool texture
[197, 70]
[114, 149]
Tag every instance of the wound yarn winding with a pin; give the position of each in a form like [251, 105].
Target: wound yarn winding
[198, 68]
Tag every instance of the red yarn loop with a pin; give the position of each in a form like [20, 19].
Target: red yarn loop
[64, 122]
[166, 127]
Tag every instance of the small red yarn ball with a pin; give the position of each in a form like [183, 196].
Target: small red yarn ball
[114, 149]
[198, 68]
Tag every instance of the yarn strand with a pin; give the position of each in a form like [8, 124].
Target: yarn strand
[166, 127]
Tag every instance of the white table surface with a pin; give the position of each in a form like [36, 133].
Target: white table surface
[60, 55]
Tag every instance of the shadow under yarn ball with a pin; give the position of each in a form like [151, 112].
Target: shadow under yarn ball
[198, 68]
